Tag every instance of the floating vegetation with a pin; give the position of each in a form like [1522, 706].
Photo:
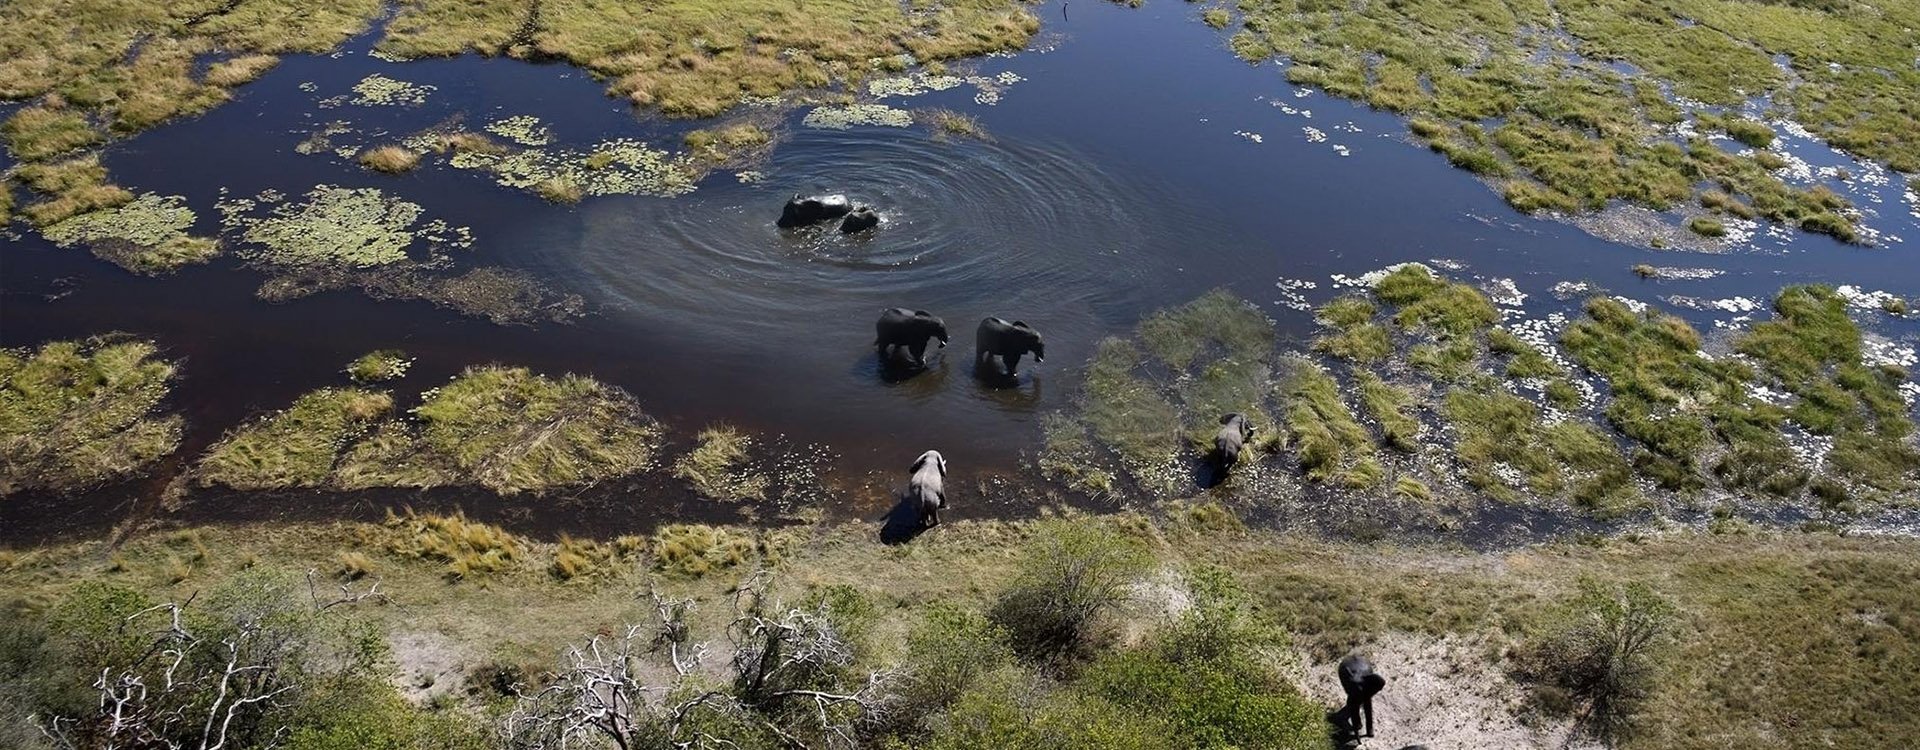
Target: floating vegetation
[717, 466]
[380, 91]
[76, 413]
[913, 85]
[321, 141]
[504, 296]
[843, 117]
[616, 167]
[147, 234]
[505, 429]
[525, 130]
[338, 227]
[947, 123]
[379, 366]
[728, 144]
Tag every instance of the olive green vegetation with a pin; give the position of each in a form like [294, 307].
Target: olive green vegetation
[717, 466]
[1520, 92]
[947, 123]
[68, 188]
[119, 67]
[378, 366]
[693, 59]
[505, 429]
[1147, 402]
[1826, 615]
[1333, 447]
[1696, 422]
[145, 235]
[76, 413]
[728, 144]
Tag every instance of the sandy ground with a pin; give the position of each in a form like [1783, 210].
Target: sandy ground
[1442, 694]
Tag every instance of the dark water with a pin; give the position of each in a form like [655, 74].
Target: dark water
[1114, 183]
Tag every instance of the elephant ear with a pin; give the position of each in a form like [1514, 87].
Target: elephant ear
[1228, 418]
[917, 463]
[923, 313]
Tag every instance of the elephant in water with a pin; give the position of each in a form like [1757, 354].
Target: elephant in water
[859, 220]
[926, 490]
[909, 328]
[1234, 433]
[1008, 341]
[813, 209]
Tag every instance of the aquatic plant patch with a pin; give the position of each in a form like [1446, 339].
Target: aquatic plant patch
[338, 227]
[380, 91]
[718, 467]
[504, 296]
[147, 234]
[843, 117]
[615, 167]
[1568, 107]
[77, 413]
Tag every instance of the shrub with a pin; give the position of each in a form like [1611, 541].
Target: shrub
[947, 654]
[1071, 576]
[1599, 659]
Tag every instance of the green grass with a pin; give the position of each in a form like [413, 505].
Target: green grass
[77, 413]
[468, 549]
[717, 466]
[1496, 428]
[1389, 406]
[1332, 446]
[297, 447]
[41, 132]
[379, 366]
[1706, 227]
[1216, 17]
[1355, 336]
[1577, 134]
[67, 189]
[695, 59]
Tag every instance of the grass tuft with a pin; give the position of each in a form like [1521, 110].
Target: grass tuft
[77, 413]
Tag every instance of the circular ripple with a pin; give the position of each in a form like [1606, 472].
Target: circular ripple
[966, 225]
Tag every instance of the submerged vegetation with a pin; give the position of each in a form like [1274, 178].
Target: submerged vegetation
[76, 413]
[506, 429]
[1532, 95]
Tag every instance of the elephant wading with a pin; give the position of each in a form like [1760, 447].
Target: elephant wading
[859, 220]
[1234, 433]
[813, 209]
[1008, 341]
[909, 328]
[926, 488]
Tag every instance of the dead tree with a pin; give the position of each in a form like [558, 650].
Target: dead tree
[647, 687]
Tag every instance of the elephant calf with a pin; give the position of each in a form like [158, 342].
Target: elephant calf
[1234, 433]
[926, 489]
[1008, 341]
[909, 328]
[813, 209]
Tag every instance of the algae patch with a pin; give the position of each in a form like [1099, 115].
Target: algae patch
[147, 234]
[76, 413]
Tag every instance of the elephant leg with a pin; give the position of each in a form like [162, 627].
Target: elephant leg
[933, 517]
[919, 352]
[1013, 363]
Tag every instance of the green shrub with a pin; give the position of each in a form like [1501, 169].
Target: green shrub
[1071, 576]
[1601, 658]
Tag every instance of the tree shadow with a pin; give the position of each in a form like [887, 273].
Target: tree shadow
[901, 524]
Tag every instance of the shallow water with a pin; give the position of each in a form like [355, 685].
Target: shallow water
[1123, 174]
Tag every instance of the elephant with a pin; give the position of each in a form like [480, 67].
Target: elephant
[813, 209]
[1360, 684]
[926, 489]
[1234, 433]
[859, 220]
[1008, 341]
[909, 328]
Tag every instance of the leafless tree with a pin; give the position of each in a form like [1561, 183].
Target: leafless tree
[210, 681]
[788, 684]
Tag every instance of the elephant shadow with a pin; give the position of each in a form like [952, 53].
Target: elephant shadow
[1209, 472]
[897, 370]
[1005, 390]
[902, 523]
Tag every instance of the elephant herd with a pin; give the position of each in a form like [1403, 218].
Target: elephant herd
[912, 330]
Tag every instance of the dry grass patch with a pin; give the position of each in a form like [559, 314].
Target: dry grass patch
[390, 159]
